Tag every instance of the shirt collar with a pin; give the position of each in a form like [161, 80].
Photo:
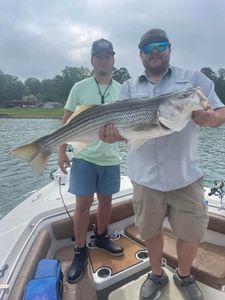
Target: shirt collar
[144, 77]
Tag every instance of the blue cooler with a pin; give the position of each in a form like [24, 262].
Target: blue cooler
[47, 283]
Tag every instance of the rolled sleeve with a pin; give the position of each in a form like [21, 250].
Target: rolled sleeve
[208, 89]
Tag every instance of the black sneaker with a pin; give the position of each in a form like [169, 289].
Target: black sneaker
[188, 287]
[78, 265]
[103, 242]
[152, 285]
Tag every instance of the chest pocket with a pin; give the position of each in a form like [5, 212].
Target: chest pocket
[182, 85]
[176, 86]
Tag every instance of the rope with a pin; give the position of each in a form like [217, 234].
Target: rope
[61, 195]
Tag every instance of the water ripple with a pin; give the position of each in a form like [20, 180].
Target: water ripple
[17, 179]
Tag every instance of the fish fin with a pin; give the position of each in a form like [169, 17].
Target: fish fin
[79, 110]
[204, 102]
[135, 144]
[167, 124]
[32, 154]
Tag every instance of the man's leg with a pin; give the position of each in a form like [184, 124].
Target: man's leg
[186, 252]
[188, 218]
[104, 212]
[81, 218]
[155, 247]
[150, 209]
[102, 240]
[157, 279]
[81, 222]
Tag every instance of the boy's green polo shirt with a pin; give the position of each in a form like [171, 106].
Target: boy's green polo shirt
[86, 92]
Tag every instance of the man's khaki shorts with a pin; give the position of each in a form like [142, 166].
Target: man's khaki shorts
[185, 208]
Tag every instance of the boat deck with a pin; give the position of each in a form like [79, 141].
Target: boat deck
[127, 289]
[85, 288]
[55, 240]
[131, 290]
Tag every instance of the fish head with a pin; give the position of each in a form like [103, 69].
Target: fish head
[175, 112]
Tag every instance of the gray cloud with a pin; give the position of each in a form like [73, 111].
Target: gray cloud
[39, 38]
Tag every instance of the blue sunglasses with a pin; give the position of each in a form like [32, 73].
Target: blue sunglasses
[160, 46]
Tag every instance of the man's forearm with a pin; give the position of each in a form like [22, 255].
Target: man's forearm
[220, 116]
[62, 148]
[209, 117]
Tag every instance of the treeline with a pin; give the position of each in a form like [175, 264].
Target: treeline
[52, 90]
[58, 88]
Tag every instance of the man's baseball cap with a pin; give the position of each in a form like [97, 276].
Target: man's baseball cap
[102, 45]
[152, 36]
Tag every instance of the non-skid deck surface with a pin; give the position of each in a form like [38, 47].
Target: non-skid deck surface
[99, 258]
[83, 289]
[131, 290]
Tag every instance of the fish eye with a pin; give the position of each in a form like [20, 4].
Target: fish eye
[184, 95]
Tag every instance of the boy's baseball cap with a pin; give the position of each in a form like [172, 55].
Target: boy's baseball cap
[102, 45]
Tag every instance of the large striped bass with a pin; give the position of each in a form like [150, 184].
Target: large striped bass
[136, 119]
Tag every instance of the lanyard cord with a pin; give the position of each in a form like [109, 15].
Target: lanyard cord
[103, 95]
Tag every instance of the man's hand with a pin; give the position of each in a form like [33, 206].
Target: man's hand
[209, 117]
[63, 161]
[110, 134]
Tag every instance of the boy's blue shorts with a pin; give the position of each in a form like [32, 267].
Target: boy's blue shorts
[87, 178]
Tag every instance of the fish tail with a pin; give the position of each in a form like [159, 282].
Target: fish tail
[33, 154]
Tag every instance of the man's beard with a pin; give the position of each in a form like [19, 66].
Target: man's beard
[159, 70]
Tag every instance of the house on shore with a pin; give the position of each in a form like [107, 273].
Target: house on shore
[51, 105]
[29, 101]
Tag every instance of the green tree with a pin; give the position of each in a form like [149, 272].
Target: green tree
[221, 73]
[220, 87]
[47, 90]
[209, 73]
[60, 87]
[74, 74]
[55, 90]
[11, 88]
[33, 86]
[120, 75]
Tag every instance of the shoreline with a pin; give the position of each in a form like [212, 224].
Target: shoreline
[31, 113]
[28, 117]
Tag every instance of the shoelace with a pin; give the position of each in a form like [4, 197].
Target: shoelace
[77, 251]
[154, 278]
[106, 236]
[187, 281]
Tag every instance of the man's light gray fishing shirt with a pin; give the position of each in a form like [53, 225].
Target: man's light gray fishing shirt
[168, 162]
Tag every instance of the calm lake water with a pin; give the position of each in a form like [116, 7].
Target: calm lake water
[17, 179]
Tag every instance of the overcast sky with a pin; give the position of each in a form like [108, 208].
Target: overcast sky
[38, 38]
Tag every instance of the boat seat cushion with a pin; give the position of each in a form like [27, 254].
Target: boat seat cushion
[38, 251]
[216, 223]
[64, 228]
[208, 265]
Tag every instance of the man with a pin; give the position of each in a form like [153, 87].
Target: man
[95, 169]
[165, 172]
